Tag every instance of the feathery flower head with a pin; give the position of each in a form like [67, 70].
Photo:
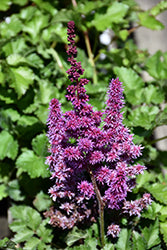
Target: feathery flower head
[82, 149]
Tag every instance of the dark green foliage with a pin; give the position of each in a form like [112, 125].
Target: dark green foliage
[33, 66]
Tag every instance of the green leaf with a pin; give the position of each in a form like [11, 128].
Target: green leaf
[124, 240]
[153, 94]
[23, 235]
[160, 7]
[3, 193]
[87, 7]
[22, 2]
[4, 5]
[22, 78]
[16, 59]
[42, 113]
[157, 65]
[14, 47]
[163, 213]
[129, 77]
[149, 21]
[109, 246]
[11, 114]
[44, 233]
[27, 216]
[138, 242]
[151, 234]
[10, 28]
[144, 179]
[32, 244]
[152, 211]
[32, 164]
[34, 27]
[46, 92]
[123, 34]
[7, 244]
[143, 116]
[9, 147]
[74, 236]
[40, 145]
[159, 191]
[115, 14]
[163, 230]
[42, 201]
[14, 191]
[26, 120]
[17, 226]
[2, 76]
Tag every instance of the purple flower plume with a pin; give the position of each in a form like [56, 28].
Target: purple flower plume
[84, 141]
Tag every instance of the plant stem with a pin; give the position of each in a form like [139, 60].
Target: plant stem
[159, 139]
[101, 208]
[91, 56]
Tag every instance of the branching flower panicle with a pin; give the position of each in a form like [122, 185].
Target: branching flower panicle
[85, 156]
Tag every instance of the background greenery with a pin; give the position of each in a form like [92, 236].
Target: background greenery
[33, 64]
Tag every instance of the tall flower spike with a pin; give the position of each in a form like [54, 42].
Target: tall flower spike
[91, 164]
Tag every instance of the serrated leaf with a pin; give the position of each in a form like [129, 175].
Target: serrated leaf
[74, 236]
[134, 96]
[27, 216]
[42, 113]
[42, 201]
[143, 116]
[14, 47]
[115, 14]
[32, 244]
[138, 241]
[22, 78]
[151, 234]
[87, 7]
[40, 145]
[42, 246]
[152, 211]
[9, 147]
[46, 92]
[160, 7]
[45, 234]
[15, 60]
[124, 240]
[37, 23]
[144, 178]
[10, 28]
[157, 65]
[129, 77]
[149, 21]
[159, 191]
[17, 226]
[23, 235]
[163, 230]
[109, 246]
[153, 94]
[32, 164]
[11, 114]
[26, 120]
[163, 213]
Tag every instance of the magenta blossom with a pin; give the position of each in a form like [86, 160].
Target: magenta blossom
[87, 144]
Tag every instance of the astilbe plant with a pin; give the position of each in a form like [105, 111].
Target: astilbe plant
[91, 155]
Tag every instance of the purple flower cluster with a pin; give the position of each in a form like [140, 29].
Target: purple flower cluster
[85, 142]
